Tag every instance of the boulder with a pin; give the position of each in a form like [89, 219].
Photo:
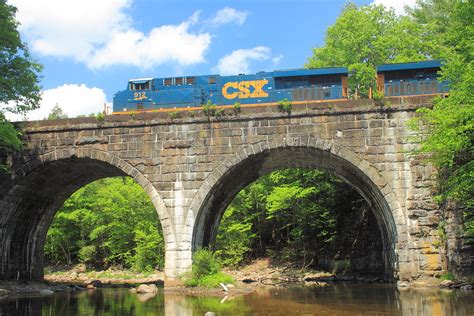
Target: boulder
[46, 292]
[446, 283]
[90, 287]
[467, 287]
[147, 288]
[403, 284]
[96, 283]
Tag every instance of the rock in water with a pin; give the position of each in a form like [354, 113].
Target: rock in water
[403, 284]
[44, 292]
[467, 287]
[446, 283]
[147, 288]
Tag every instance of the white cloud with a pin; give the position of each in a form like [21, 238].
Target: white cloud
[65, 28]
[239, 61]
[398, 5]
[276, 60]
[229, 15]
[100, 33]
[72, 98]
[169, 43]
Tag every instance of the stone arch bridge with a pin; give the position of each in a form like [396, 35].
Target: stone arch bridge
[192, 166]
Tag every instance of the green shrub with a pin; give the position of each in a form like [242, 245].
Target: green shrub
[205, 263]
[214, 280]
[448, 276]
[237, 108]
[377, 96]
[209, 109]
[87, 254]
[173, 115]
[285, 105]
[206, 271]
[100, 117]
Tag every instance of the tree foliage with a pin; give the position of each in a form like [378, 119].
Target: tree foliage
[19, 78]
[108, 222]
[19, 73]
[56, 113]
[366, 36]
[290, 214]
[448, 127]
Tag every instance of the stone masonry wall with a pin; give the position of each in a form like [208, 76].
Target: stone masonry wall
[179, 160]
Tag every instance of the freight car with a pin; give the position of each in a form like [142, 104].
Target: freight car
[263, 88]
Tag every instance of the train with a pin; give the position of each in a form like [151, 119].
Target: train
[264, 88]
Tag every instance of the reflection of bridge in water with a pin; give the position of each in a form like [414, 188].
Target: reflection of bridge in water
[330, 300]
[192, 167]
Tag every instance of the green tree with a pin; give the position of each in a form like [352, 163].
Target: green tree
[448, 127]
[108, 222]
[366, 36]
[19, 78]
[289, 214]
[56, 113]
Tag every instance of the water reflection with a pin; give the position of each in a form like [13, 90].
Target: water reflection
[340, 300]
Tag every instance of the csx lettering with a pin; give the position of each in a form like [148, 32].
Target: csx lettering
[245, 89]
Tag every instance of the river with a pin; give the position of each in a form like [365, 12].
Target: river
[331, 300]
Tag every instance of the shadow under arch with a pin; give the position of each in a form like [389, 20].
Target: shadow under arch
[39, 188]
[234, 174]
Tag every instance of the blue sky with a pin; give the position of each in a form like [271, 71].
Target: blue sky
[90, 48]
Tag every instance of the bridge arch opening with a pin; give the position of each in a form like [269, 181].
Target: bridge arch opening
[34, 198]
[228, 181]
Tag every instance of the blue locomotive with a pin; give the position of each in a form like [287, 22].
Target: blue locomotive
[263, 88]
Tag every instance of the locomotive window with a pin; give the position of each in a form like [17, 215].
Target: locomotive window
[190, 80]
[179, 81]
[167, 82]
[212, 80]
[140, 86]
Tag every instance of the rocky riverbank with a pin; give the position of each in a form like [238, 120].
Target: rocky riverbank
[263, 272]
[258, 273]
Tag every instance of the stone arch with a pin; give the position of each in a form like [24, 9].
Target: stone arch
[254, 161]
[38, 189]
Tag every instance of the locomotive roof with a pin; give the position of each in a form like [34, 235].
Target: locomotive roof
[315, 71]
[411, 65]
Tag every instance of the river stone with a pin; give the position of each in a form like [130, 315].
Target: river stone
[467, 287]
[45, 291]
[147, 288]
[446, 283]
[3, 293]
[90, 286]
[403, 284]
